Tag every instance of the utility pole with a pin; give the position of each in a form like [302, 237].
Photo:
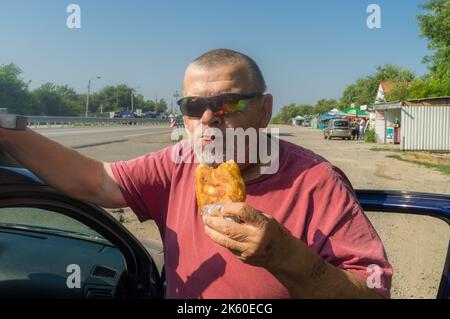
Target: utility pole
[88, 93]
[175, 96]
[132, 98]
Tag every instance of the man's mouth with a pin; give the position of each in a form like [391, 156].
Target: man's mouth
[208, 138]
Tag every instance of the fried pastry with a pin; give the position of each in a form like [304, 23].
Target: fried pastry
[221, 185]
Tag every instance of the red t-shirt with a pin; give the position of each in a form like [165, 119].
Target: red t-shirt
[310, 197]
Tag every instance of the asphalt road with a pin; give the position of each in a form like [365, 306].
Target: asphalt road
[82, 137]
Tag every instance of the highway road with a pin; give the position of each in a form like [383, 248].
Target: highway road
[82, 137]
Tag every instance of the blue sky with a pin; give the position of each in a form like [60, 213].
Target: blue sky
[307, 49]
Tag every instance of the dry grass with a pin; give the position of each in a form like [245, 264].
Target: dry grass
[429, 158]
[440, 162]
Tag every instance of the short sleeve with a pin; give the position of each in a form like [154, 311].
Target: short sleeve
[145, 184]
[341, 233]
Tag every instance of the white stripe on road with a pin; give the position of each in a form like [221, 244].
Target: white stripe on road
[142, 134]
[79, 132]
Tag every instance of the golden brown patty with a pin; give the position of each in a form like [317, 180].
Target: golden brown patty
[221, 185]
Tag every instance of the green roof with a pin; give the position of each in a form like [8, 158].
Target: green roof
[353, 111]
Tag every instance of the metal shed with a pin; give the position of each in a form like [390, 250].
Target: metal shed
[417, 125]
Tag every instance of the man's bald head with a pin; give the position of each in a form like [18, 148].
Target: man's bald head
[244, 67]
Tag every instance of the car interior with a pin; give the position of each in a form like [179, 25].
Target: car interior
[52, 246]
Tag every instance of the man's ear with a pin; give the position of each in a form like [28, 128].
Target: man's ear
[266, 110]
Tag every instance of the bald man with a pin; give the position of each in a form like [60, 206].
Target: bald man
[302, 232]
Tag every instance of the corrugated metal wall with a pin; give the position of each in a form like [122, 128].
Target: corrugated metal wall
[425, 128]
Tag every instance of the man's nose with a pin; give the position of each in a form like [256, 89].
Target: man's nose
[208, 118]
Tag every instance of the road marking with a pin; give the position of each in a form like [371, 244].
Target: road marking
[79, 132]
[142, 134]
[77, 147]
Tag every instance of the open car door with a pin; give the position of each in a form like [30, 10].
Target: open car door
[396, 202]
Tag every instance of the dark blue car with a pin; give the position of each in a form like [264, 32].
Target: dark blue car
[52, 245]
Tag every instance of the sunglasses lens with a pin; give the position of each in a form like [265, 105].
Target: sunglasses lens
[192, 107]
[234, 104]
[220, 105]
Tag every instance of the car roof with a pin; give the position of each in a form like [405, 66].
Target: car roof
[11, 172]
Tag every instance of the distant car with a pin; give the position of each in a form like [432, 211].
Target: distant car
[127, 115]
[150, 115]
[338, 128]
[46, 237]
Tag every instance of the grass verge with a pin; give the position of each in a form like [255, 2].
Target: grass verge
[444, 168]
[385, 149]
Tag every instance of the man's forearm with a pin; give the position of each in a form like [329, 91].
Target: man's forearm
[306, 275]
[61, 167]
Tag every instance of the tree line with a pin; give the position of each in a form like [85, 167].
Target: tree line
[434, 25]
[61, 100]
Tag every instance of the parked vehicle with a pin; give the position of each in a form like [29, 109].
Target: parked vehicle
[337, 128]
[46, 237]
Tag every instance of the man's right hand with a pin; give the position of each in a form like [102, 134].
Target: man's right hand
[63, 168]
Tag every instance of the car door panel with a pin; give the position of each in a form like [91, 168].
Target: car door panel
[434, 205]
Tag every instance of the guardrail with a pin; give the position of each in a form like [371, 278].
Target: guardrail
[63, 121]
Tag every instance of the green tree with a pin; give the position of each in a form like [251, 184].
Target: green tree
[112, 98]
[14, 93]
[118, 98]
[364, 90]
[323, 106]
[161, 106]
[287, 112]
[138, 102]
[350, 94]
[398, 93]
[435, 26]
[305, 109]
[427, 86]
[58, 100]
[52, 100]
[149, 106]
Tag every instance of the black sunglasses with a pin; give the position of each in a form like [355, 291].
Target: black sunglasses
[220, 105]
